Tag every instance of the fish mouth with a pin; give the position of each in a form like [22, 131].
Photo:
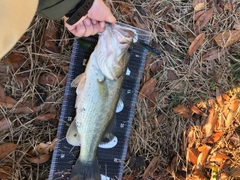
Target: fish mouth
[124, 36]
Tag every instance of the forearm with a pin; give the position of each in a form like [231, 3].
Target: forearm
[56, 9]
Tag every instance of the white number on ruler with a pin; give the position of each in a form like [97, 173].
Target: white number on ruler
[121, 125]
[69, 118]
[62, 156]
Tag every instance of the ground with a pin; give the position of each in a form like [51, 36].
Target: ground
[187, 119]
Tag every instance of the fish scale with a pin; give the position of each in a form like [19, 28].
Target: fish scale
[111, 160]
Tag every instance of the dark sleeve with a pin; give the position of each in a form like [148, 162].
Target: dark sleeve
[55, 9]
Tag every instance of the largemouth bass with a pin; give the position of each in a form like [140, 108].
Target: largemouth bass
[98, 91]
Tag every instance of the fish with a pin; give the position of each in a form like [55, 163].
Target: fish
[98, 92]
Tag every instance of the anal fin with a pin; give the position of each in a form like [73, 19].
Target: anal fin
[73, 137]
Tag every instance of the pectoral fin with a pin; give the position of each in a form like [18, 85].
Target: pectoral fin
[73, 137]
[78, 80]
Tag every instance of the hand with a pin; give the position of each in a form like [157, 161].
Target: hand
[93, 22]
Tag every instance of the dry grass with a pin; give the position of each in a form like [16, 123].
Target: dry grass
[157, 130]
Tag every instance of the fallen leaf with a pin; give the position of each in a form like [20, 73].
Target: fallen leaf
[228, 7]
[202, 156]
[227, 38]
[183, 111]
[225, 97]
[136, 162]
[202, 21]
[147, 88]
[192, 155]
[15, 60]
[124, 8]
[198, 174]
[39, 160]
[213, 54]
[24, 38]
[200, 6]
[43, 148]
[212, 119]
[219, 98]
[195, 44]
[196, 15]
[195, 2]
[5, 172]
[196, 110]
[191, 137]
[130, 176]
[234, 105]
[219, 158]
[45, 117]
[236, 26]
[5, 124]
[52, 79]
[151, 167]
[6, 149]
[50, 36]
[214, 137]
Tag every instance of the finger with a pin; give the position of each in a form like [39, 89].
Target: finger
[80, 30]
[89, 27]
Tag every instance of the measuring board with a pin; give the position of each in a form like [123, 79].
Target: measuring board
[111, 160]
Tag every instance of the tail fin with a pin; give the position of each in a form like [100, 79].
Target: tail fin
[85, 170]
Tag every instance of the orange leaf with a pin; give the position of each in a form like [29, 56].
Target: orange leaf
[39, 160]
[6, 149]
[203, 20]
[228, 38]
[147, 88]
[183, 111]
[195, 44]
[196, 110]
[192, 155]
[151, 167]
[228, 7]
[212, 119]
[5, 124]
[200, 6]
[219, 158]
[214, 137]
[219, 98]
[202, 156]
[213, 54]
[195, 2]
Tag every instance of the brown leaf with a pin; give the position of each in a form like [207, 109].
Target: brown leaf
[183, 111]
[52, 79]
[219, 98]
[196, 110]
[191, 137]
[195, 2]
[227, 38]
[214, 137]
[219, 158]
[202, 21]
[200, 6]
[39, 160]
[214, 54]
[212, 119]
[202, 156]
[45, 117]
[196, 15]
[43, 148]
[231, 113]
[192, 155]
[15, 60]
[130, 176]
[5, 124]
[24, 38]
[5, 172]
[124, 8]
[151, 167]
[198, 174]
[50, 36]
[6, 149]
[195, 44]
[228, 7]
[2, 94]
[147, 88]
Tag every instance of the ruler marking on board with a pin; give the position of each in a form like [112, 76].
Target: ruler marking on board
[65, 155]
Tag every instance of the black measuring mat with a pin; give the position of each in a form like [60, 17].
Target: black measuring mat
[111, 160]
